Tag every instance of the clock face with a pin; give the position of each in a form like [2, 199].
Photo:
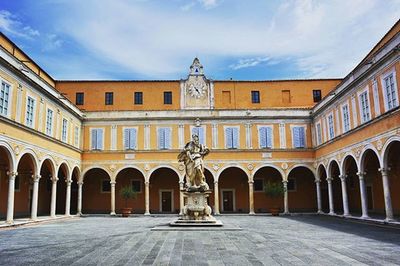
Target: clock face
[197, 90]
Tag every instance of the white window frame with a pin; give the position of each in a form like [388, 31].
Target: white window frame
[66, 130]
[52, 122]
[331, 127]
[259, 137]
[233, 198]
[160, 191]
[305, 136]
[76, 136]
[319, 132]
[343, 117]
[10, 91]
[384, 91]
[205, 133]
[360, 108]
[123, 137]
[28, 95]
[238, 144]
[91, 134]
[158, 137]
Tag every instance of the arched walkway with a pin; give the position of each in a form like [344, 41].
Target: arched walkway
[210, 182]
[63, 175]
[164, 191]
[234, 190]
[96, 191]
[74, 190]
[334, 175]
[391, 163]
[324, 188]
[47, 171]
[370, 165]
[350, 170]
[301, 190]
[133, 178]
[27, 169]
[261, 178]
[6, 164]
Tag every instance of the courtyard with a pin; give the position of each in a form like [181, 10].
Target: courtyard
[244, 240]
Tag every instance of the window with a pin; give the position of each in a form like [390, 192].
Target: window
[137, 185]
[79, 99]
[265, 137]
[109, 98]
[97, 139]
[390, 92]
[298, 137]
[258, 184]
[105, 186]
[231, 137]
[17, 183]
[291, 185]
[317, 95]
[76, 136]
[331, 129]
[319, 134]
[286, 96]
[49, 122]
[130, 138]
[64, 130]
[364, 107]
[346, 118]
[4, 98]
[164, 138]
[255, 96]
[199, 131]
[138, 97]
[167, 97]
[30, 107]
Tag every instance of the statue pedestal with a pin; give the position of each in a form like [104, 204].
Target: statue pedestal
[196, 211]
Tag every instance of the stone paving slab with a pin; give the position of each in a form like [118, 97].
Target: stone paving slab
[263, 240]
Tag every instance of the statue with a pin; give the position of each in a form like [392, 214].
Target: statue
[192, 156]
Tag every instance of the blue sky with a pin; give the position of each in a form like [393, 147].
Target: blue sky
[244, 40]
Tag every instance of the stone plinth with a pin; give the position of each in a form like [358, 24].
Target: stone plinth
[196, 211]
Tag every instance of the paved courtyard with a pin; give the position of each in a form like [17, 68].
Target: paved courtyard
[264, 240]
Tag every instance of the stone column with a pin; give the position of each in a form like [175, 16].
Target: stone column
[112, 198]
[79, 207]
[10, 201]
[344, 195]
[216, 198]
[68, 197]
[386, 194]
[318, 188]
[35, 194]
[285, 198]
[53, 196]
[251, 197]
[147, 198]
[363, 194]
[181, 200]
[330, 193]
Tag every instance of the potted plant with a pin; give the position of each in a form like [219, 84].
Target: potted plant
[127, 193]
[274, 190]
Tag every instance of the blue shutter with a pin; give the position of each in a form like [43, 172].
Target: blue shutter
[263, 136]
[99, 139]
[201, 135]
[94, 139]
[126, 138]
[132, 138]
[228, 138]
[161, 138]
[168, 138]
[302, 137]
[235, 133]
[269, 137]
[296, 137]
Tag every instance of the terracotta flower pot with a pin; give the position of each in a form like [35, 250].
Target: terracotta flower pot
[126, 212]
[274, 211]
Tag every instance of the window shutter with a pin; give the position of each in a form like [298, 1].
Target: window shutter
[161, 138]
[126, 138]
[235, 143]
[296, 137]
[269, 137]
[195, 131]
[302, 137]
[94, 139]
[201, 135]
[132, 138]
[228, 138]
[168, 138]
[100, 139]
[263, 136]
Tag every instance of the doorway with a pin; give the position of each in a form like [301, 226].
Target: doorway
[166, 198]
[228, 200]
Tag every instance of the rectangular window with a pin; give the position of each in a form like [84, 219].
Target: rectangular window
[265, 137]
[138, 97]
[164, 138]
[105, 186]
[231, 137]
[346, 118]
[291, 185]
[76, 136]
[167, 97]
[64, 130]
[258, 184]
[97, 139]
[286, 96]
[30, 109]
[255, 96]
[226, 97]
[317, 95]
[109, 98]
[390, 91]
[80, 98]
[130, 136]
[17, 183]
[299, 138]
[319, 134]
[199, 131]
[364, 106]
[49, 122]
[137, 185]
[331, 129]
[4, 98]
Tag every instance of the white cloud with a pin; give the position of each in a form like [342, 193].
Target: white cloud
[208, 4]
[11, 24]
[52, 42]
[249, 62]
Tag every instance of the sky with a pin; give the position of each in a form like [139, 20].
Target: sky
[158, 39]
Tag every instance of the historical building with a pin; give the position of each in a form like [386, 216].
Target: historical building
[68, 147]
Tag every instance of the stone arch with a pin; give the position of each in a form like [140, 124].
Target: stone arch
[66, 165]
[301, 192]
[218, 174]
[334, 173]
[350, 169]
[86, 170]
[302, 165]
[30, 152]
[234, 191]
[254, 171]
[130, 166]
[320, 167]
[52, 163]
[363, 153]
[181, 176]
[331, 164]
[96, 190]
[346, 156]
[8, 165]
[10, 155]
[385, 149]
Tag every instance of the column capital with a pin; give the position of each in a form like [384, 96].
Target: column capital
[36, 178]
[113, 183]
[80, 183]
[12, 175]
[54, 179]
[329, 179]
[285, 182]
[146, 183]
[343, 177]
[68, 181]
[215, 182]
[361, 175]
[251, 182]
[384, 170]
[317, 180]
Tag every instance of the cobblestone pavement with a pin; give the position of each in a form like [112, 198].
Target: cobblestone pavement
[264, 240]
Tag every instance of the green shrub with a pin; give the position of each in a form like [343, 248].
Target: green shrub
[127, 193]
[274, 189]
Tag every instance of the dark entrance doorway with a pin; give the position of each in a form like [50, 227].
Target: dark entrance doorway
[227, 199]
[166, 201]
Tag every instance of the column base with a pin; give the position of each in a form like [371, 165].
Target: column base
[320, 212]
[10, 222]
[252, 213]
[364, 217]
[332, 213]
[113, 214]
[147, 213]
[286, 213]
[390, 220]
[217, 213]
[346, 215]
[79, 214]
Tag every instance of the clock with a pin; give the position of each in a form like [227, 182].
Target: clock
[197, 89]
